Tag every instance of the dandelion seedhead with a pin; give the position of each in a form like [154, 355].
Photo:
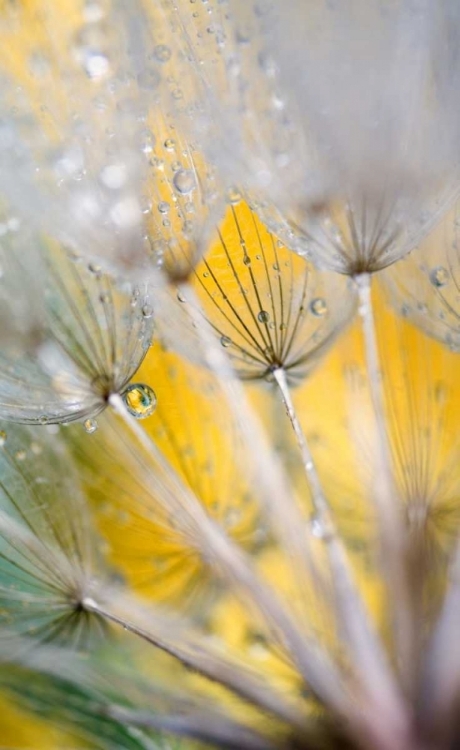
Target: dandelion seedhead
[228, 247]
[351, 181]
[72, 337]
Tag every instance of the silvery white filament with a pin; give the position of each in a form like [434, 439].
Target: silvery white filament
[332, 103]
[71, 337]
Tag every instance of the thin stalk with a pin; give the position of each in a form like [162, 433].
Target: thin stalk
[368, 655]
[320, 503]
[234, 566]
[391, 528]
[285, 519]
[211, 665]
[205, 727]
[374, 673]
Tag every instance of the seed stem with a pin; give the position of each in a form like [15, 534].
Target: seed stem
[391, 528]
[217, 668]
[232, 564]
[369, 658]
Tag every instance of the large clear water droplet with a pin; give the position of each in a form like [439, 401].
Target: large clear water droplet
[263, 316]
[140, 400]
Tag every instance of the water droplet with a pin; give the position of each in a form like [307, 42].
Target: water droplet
[162, 53]
[90, 426]
[181, 297]
[147, 311]
[20, 455]
[439, 276]
[95, 268]
[225, 341]
[184, 181]
[2, 438]
[163, 207]
[140, 400]
[233, 196]
[169, 144]
[318, 307]
[247, 260]
[263, 316]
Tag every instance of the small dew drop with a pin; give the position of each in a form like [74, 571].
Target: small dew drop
[316, 527]
[2, 438]
[140, 400]
[90, 426]
[181, 297]
[439, 276]
[162, 53]
[184, 181]
[225, 341]
[147, 311]
[169, 144]
[263, 316]
[163, 207]
[318, 307]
